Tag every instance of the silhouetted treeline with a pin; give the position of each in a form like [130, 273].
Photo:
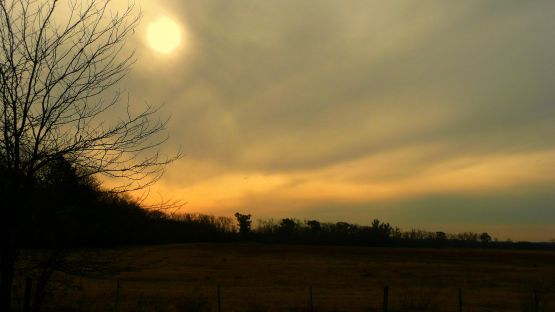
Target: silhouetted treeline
[377, 234]
[104, 219]
[68, 209]
[64, 208]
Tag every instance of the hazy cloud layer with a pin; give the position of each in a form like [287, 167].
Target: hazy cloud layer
[428, 108]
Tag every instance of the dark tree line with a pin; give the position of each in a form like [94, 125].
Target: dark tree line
[67, 209]
[378, 233]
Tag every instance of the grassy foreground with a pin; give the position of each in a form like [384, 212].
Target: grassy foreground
[257, 277]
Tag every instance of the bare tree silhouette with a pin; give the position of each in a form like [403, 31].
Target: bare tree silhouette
[58, 63]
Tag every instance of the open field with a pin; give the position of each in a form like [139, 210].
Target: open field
[256, 277]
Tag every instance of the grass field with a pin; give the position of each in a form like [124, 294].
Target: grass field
[256, 277]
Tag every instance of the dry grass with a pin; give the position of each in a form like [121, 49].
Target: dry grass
[257, 277]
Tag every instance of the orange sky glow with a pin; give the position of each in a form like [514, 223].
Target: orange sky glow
[425, 114]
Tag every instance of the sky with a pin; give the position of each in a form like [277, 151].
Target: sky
[437, 115]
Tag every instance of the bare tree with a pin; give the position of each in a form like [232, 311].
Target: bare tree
[58, 63]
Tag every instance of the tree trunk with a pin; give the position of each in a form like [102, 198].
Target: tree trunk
[9, 214]
[7, 268]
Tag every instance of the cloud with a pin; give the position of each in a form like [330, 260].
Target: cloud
[327, 101]
[382, 180]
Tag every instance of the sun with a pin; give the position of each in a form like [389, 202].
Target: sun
[163, 35]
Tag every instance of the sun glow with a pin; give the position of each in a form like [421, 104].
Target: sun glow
[164, 35]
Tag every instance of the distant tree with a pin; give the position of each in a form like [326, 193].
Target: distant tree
[342, 232]
[56, 68]
[441, 236]
[485, 238]
[225, 224]
[288, 225]
[468, 237]
[244, 221]
[396, 233]
[381, 231]
[314, 225]
[266, 227]
[344, 227]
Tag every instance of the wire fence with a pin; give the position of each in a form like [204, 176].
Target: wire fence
[169, 295]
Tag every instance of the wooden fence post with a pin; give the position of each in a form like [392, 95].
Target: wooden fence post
[219, 299]
[385, 298]
[310, 301]
[116, 304]
[536, 301]
[460, 300]
[27, 295]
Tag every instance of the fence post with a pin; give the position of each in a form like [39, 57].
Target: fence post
[219, 299]
[27, 295]
[536, 301]
[385, 298]
[460, 300]
[116, 304]
[310, 301]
